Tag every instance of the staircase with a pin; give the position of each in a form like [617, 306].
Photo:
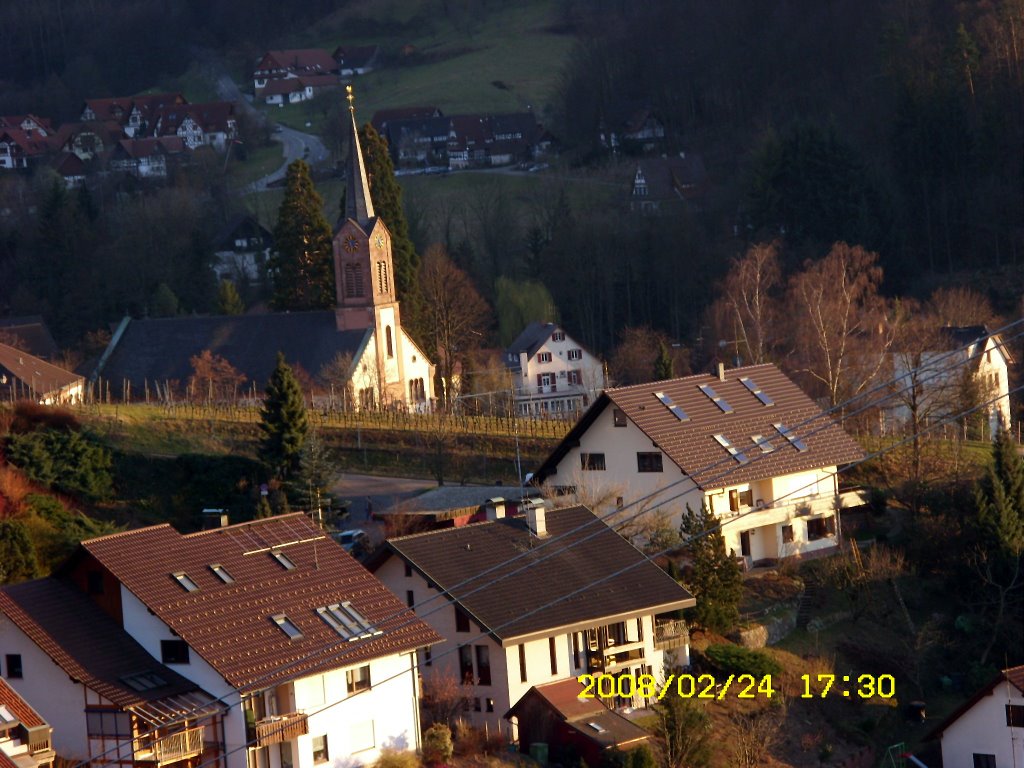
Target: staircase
[810, 600]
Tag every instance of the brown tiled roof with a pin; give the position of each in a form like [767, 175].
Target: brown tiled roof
[86, 643]
[230, 626]
[298, 60]
[579, 551]
[41, 376]
[18, 707]
[212, 116]
[691, 444]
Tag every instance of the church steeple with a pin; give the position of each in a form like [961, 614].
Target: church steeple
[358, 205]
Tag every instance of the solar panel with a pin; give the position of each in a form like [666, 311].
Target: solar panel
[732, 449]
[676, 411]
[795, 441]
[716, 398]
[756, 391]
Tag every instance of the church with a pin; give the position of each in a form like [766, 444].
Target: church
[152, 358]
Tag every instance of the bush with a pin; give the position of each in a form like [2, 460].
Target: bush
[735, 659]
[66, 461]
[29, 416]
[393, 758]
[437, 745]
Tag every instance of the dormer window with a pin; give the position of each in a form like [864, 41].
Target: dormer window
[186, 583]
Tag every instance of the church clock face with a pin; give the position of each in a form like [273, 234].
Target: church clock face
[349, 243]
[379, 241]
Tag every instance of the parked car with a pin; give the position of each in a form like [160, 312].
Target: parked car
[354, 541]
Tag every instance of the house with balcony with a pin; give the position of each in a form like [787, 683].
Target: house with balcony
[309, 656]
[25, 737]
[534, 599]
[114, 703]
[747, 443]
[552, 374]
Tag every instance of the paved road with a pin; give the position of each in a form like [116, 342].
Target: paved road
[297, 145]
[383, 492]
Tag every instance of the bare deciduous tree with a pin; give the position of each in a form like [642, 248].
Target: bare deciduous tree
[747, 310]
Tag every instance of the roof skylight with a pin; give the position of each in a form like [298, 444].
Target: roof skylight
[287, 626]
[716, 398]
[795, 441]
[735, 452]
[186, 583]
[283, 559]
[763, 443]
[221, 573]
[143, 681]
[344, 619]
[756, 391]
[676, 411]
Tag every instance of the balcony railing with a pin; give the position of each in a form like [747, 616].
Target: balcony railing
[172, 748]
[38, 739]
[278, 728]
[671, 634]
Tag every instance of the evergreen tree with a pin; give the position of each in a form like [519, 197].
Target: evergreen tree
[663, 367]
[713, 577]
[997, 546]
[386, 195]
[17, 553]
[228, 300]
[283, 421]
[303, 260]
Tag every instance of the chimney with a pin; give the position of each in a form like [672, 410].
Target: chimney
[495, 508]
[721, 371]
[535, 513]
[215, 518]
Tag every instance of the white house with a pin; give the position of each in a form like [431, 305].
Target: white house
[311, 658]
[747, 443]
[552, 374]
[24, 735]
[934, 378]
[531, 600]
[987, 730]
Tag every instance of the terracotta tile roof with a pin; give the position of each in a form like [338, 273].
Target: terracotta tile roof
[86, 643]
[563, 697]
[229, 624]
[298, 60]
[18, 707]
[582, 550]
[692, 445]
[41, 376]
[213, 116]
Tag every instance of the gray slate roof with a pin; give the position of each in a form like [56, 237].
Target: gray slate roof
[579, 552]
[529, 341]
[159, 350]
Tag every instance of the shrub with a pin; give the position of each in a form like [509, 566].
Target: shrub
[393, 758]
[66, 461]
[735, 659]
[437, 745]
[29, 416]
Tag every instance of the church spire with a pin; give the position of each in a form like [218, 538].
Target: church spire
[358, 204]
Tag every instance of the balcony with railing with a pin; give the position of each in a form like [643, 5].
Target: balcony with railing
[279, 728]
[609, 648]
[172, 748]
[671, 634]
[784, 510]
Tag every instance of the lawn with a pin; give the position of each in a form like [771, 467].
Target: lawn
[258, 163]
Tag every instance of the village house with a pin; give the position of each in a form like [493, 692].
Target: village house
[384, 367]
[212, 124]
[292, 90]
[242, 249]
[29, 333]
[666, 185]
[24, 376]
[530, 600]
[748, 444]
[937, 377]
[24, 736]
[422, 136]
[281, 65]
[23, 140]
[355, 59]
[987, 730]
[112, 701]
[633, 128]
[146, 158]
[552, 374]
[132, 113]
[307, 656]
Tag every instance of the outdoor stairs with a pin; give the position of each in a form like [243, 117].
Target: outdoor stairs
[811, 599]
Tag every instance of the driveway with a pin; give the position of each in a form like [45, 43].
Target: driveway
[383, 492]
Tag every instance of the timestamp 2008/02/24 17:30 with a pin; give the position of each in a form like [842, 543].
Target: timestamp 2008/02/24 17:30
[744, 686]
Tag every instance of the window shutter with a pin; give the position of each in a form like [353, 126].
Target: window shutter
[540, 381]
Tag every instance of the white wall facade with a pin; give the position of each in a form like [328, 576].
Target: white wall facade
[983, 730]
[570, 382]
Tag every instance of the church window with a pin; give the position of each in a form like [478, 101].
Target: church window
[353, 281]
[383, 285]
[389, 342]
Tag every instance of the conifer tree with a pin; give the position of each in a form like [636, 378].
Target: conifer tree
[228, 300]
[17, 553]
[713, 577]
[663, 367]
[386, 194]
[302, 263]
[283, 421]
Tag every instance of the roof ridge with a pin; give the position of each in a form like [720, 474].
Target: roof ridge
[253, 522]
[704, 374]
[129, 532]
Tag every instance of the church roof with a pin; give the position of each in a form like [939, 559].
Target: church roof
[159, 350]
[358, 205]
